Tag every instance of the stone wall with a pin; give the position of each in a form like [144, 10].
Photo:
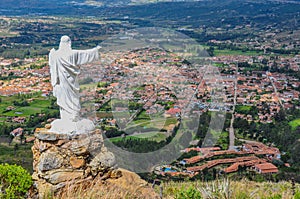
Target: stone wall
[73, 166]
[61, 160]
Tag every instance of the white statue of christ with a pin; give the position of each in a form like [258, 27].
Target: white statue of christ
[64, 69]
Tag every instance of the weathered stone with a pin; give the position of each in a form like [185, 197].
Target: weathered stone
[80, 147]
[62, 175]
[46, 135]
[45, 188]
[43, 135]
[115, 173]
[96, 143]
[61, 142]
[37, 130]
[66, 145]
[77, 162]
[132, 183]
[48, 126]
[49, 161]
[105, 158]
[59, 186]
[35, 177]
[87, 172]
[44, 146]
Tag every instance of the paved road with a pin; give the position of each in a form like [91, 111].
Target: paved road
[231, 129]
[275, 89]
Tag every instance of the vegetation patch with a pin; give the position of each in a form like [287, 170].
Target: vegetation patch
[14, 181]
[295, 123]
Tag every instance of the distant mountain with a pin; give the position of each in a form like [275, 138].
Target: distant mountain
[194, 11]
[117, 3]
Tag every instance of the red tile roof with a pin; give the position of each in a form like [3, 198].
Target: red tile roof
[266, 168]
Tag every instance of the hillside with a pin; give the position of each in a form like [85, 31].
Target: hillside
[221, 189]
[224, 188]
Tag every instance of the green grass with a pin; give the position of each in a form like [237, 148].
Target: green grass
[117, 139]
[25, 111]
[220, 65]
[153, 135]
[158, 123]
[223, 140]
[22, 157]
[91, 86]
[170, 120]
[223, 189]
[295, 123]
[235, 52]
[38, 105]
[143, 115]
[242, 108]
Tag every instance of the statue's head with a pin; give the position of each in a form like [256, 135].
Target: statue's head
[65, 42]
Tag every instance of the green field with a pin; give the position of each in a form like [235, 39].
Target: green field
[36, 104]
[295, 123]
[21, 156]
[102, 114]
[23, 111]
[155, 136]
[143, 120]
[242, 108]
[236, 52]
[91, 86]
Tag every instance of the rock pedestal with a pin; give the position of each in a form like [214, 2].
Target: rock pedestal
[80, 166]
[61, 160]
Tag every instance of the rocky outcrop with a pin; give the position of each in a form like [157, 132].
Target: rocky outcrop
[65, 163]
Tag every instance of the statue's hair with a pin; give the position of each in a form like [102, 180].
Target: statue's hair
[65, 42]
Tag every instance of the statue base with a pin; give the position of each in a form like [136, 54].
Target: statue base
[61, 160]
[69, 127]
[80, 166]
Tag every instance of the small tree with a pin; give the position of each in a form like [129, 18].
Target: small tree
[14, 181]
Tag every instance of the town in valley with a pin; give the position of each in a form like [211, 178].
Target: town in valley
[142, 97]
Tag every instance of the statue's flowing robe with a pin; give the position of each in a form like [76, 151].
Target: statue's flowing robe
[64, 70]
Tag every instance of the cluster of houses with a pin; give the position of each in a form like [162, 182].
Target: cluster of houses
[25, 80]
[268, 92]
[253, 156]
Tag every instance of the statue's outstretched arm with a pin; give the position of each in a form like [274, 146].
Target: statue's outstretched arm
[86, 56]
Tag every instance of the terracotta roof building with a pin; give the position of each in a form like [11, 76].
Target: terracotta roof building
[266, 168]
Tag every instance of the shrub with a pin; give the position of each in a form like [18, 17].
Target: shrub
[217, 189]
[297, 195]
[276, 196]
[188, 193]
[14, 181]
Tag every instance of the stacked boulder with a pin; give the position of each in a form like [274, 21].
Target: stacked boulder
[61, 160]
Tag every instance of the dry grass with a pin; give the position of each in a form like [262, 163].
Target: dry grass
[98, 189]
[218, 189]
[227, 189]
[103, 192]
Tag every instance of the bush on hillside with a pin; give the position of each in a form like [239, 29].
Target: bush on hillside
[14, 181]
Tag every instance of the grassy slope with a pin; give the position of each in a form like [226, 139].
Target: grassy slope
[243, 189]
[36, 106]
[21, 156]
[219, 189]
